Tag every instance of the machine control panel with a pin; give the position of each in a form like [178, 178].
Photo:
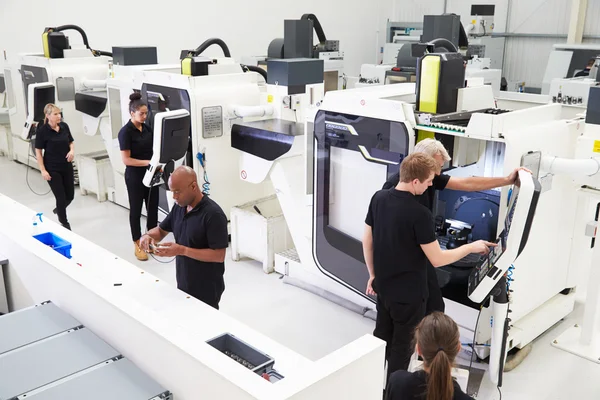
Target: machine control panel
[511, 242]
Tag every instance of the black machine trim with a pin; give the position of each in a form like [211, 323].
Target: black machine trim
[93, 103]
[335, 253]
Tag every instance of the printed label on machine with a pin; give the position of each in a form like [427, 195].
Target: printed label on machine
[212, 122]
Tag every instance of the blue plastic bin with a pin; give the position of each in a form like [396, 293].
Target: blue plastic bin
[56, 242]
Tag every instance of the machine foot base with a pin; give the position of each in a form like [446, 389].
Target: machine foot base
[570, 341]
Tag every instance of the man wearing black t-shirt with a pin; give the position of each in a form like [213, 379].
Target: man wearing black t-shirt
[436, 149]
[200, 229]
[398, 240]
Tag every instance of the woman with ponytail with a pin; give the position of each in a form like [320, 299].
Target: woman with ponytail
[136, 141]
[437, 341]
[54, 138]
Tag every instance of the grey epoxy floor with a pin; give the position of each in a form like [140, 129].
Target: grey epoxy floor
[307, 324]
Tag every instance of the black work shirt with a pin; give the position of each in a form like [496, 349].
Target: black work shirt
[140, 143]
[204, 227]
[439, 183]
[404, 385]
[56, 145]
[400, 225]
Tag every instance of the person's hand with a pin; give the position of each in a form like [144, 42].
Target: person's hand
[482, 247]
[512, 177]
[46, 176]
[70, 156]
[145, 242]
[169, 250]
[370, 291]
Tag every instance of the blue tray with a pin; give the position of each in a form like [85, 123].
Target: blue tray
[56, 242]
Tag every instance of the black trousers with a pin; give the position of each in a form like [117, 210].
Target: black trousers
[63, 187]
[139, 194]
[208, 291]
[396, 323]
[435, 301]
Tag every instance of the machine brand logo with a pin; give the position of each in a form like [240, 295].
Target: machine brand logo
[331, 125]
[341, 127]
[243, 174]
[362, 102]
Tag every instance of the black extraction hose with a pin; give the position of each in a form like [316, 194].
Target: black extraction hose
[255, 69]
[103, 53]
[316, 25]
[209, 42]
[441, 43]
[84, 37]
[76, 28]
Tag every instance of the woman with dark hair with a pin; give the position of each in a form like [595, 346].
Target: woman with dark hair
[56, 163]
[136, 141]
[437, 341]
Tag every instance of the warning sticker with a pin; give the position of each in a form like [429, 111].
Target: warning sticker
[212, 122]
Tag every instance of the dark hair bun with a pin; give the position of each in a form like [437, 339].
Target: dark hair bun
[135, 96]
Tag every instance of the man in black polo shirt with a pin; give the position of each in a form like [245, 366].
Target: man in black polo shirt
[398, 240]
[200, 229]
[436, 149]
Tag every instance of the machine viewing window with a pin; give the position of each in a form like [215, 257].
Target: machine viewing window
[31, 74]
[10, 92]
[353, 154]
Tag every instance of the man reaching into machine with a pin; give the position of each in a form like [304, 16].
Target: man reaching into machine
[398, 240]
[436, 149]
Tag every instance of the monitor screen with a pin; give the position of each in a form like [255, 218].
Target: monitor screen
[479, 209]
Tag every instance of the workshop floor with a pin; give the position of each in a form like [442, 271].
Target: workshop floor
[297, 319]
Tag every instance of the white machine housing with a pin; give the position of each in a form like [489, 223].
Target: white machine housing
[577, 89]
[78, 71]
[210, 98]
[566, 60]
[490, 145]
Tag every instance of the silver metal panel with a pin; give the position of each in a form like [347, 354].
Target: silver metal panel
[120, 380]
[46, 361]
[26, 326]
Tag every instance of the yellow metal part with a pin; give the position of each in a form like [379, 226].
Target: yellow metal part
[421, 135]
[429, 84]
[186, 66]
[45, 44]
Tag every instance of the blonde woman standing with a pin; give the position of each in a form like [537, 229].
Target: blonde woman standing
[55, 140]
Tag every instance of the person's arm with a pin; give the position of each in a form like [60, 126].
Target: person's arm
[71, 153]
[206, 255]
[40, 144]
[367, 244]
[40, 160]
[157, 234]
[217, 237]
[132, 162]
[438, 257]
[477, 183]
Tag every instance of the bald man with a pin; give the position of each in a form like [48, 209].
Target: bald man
[200, 229]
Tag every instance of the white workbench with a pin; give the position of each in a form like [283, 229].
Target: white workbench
[162, 330]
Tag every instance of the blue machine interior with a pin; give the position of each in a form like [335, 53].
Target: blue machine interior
[478, 209]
